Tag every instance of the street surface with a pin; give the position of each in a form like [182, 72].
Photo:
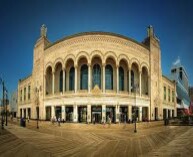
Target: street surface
[82, 140]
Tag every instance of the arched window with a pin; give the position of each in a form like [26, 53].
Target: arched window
[96, 75]
[71, 79]
[121, 79]
[84, 77]
[109, 77]
[132, 81]
[61, 81]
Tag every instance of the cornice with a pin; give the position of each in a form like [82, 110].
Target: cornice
[97, 36]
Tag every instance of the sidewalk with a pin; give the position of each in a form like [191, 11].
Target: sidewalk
[84, 140]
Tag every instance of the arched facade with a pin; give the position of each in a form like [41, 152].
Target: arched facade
[95, 76]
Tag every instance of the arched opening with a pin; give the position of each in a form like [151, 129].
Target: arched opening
[121, 79]
[70, 75]
[134, 77]
[110, 74]
[144, 81]
[96, 76]
[58, 84]
[71, 79]
[84, 77]
[123, 75]
[82, 73]
[49, 80]
[108, 77]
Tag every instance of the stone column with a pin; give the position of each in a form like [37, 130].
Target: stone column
[149, 85]
[129, 80]
[44, 87]
[63, 113]
[23, 114]
[89, 113]
[166, 113]
[140, 83]
[53, 111]
[53, 83]
[75, 88]
[117, 113]
[117, 79]
[103, 78]
[64, 80]
[140, 114]
[170, 113]
[26, 112]
[75, 110]
[89, 77]
[104, 113]
[149, 113]
[130, 112]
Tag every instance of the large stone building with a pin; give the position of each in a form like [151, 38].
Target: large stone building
[96, 75]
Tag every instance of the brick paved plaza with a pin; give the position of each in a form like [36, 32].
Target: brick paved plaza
[152, 139]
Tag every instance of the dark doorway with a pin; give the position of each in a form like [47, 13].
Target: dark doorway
[82, 114]
[169, 114]
[20, 113]
[156, 113]
[69, 114]
[144, 114]
[29, 112]
[110, 113]
[164, 114]
[96, 114]
[48, 113]
[37, 112]
[123, 114]
[24, 113]
[58, 112]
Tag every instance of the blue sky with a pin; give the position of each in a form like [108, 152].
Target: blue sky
[20, 23]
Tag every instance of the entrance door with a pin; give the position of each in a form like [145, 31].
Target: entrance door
[24, 113]
[96, 114]
[123, 114]
[82, 114]
[48, 113]
[164, 113]
[69, 113]
[169, 114]
[110, 113]
[29, 113]
[58, 112]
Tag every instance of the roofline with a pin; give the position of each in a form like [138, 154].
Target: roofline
[96, 33]
[25, 78]
[168, 78]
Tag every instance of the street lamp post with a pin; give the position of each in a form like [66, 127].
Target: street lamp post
[6, 101]
[135, 87]
[2, 120]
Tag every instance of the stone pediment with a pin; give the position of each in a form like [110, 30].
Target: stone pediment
[96, 90]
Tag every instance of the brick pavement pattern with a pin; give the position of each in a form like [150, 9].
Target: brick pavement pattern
[83, 140]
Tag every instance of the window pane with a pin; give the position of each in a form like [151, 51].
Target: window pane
[96, 76]
[121, 79]
[84, 77]
[71, 79]
[109, 77]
